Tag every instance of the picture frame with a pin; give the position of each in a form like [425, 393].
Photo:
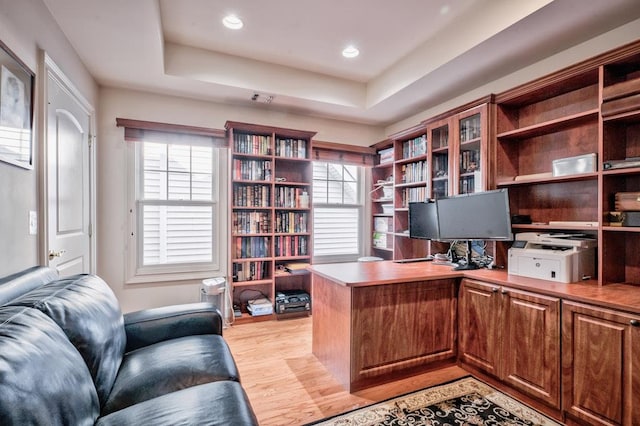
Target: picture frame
[16, 110]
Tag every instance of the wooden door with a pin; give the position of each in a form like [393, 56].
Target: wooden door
[480, 325]
[68, 182]
[531, 345]
[600, 365]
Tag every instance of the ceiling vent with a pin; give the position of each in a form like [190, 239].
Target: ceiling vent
[257, 97]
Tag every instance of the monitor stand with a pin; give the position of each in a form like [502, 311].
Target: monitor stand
[470, 265]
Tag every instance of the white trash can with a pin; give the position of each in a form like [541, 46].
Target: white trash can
[214, 290]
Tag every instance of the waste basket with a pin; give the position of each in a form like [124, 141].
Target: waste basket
[214, 290]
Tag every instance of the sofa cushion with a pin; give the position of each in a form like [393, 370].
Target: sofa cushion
[14, 286]
[218, 403]
[86, 309]
[169, 366]
[43, 380]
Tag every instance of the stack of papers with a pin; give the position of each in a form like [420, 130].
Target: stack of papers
[261, 306]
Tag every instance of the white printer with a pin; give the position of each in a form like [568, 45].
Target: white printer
[564, 258]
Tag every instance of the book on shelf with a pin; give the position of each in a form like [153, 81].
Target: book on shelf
[386, 155]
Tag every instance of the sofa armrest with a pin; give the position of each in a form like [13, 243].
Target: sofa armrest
[155, 325]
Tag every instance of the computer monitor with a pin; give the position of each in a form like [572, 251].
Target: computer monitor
[423, 220]
[476, 216]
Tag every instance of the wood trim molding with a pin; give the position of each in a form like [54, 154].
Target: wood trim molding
[170, 128]
[348, 154]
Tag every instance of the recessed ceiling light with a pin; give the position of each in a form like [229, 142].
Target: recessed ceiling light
[350, 52]
[232, 22]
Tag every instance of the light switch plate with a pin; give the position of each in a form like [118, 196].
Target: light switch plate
[33, 222]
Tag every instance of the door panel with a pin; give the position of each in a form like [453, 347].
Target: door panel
[531, 346]
[68, 185]
[479, 325]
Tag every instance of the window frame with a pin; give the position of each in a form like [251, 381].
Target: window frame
[136, 271]
[360, 207]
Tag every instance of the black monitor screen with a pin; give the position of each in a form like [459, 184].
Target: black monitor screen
[423, 221]
[477, 216]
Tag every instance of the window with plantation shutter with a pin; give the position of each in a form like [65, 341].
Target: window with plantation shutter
[174, 208]
[337, 212]
[176, 204]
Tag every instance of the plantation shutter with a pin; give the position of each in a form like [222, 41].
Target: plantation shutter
[176, 197]
[337, 210]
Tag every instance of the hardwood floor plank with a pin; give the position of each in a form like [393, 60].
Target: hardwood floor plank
[287, 385]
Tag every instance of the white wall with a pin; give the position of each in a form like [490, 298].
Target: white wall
[608, 41]
[25, 27]
[112, 175]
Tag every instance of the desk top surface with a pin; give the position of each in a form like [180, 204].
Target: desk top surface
[360, 274]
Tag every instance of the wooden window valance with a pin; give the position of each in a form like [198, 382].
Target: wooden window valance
[137, 130]
[344, 154]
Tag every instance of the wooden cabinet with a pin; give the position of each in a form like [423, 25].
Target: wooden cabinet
[600, 365]
[270, 216]
[512, 335]
[366, 332]
[397, 327]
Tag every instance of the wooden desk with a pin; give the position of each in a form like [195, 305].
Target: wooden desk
[373, 322]
[376, 321]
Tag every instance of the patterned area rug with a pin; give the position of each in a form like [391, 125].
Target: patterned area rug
[466, 401]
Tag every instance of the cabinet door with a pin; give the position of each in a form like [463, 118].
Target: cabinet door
[401, 326]
[600, 365]
[479, 325]
[531, 344]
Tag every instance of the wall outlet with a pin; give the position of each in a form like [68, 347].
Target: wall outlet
[33, 222]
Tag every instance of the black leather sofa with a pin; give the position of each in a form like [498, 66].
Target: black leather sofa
[69, 357]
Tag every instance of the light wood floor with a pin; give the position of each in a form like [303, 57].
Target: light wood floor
[287, 385]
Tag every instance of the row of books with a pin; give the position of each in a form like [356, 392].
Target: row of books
[414, 147]
[414, 172]
[251, 271]
[412, 195]
[292, 148]
[251, 196]
[252, 247]
[246, 222]
[470, 184]
[470, 128]
[288, 197]
[251, 169]
[386, 155]
[297, 245]
[252, 144]
[469, 161]
[291, 222]
[440, 165]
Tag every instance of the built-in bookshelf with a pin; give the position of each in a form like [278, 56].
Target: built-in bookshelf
[270, 213]
[382, 176]
[443, 156]
[411, 171]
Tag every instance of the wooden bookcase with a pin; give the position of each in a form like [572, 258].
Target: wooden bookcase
[590, 108]
[410, 185]
[269, 221]
[443, 156]
[619, 246]
[382, 199]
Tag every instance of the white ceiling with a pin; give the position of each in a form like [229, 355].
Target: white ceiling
[414, 53]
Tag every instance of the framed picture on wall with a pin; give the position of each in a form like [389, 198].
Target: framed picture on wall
[16, 110]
